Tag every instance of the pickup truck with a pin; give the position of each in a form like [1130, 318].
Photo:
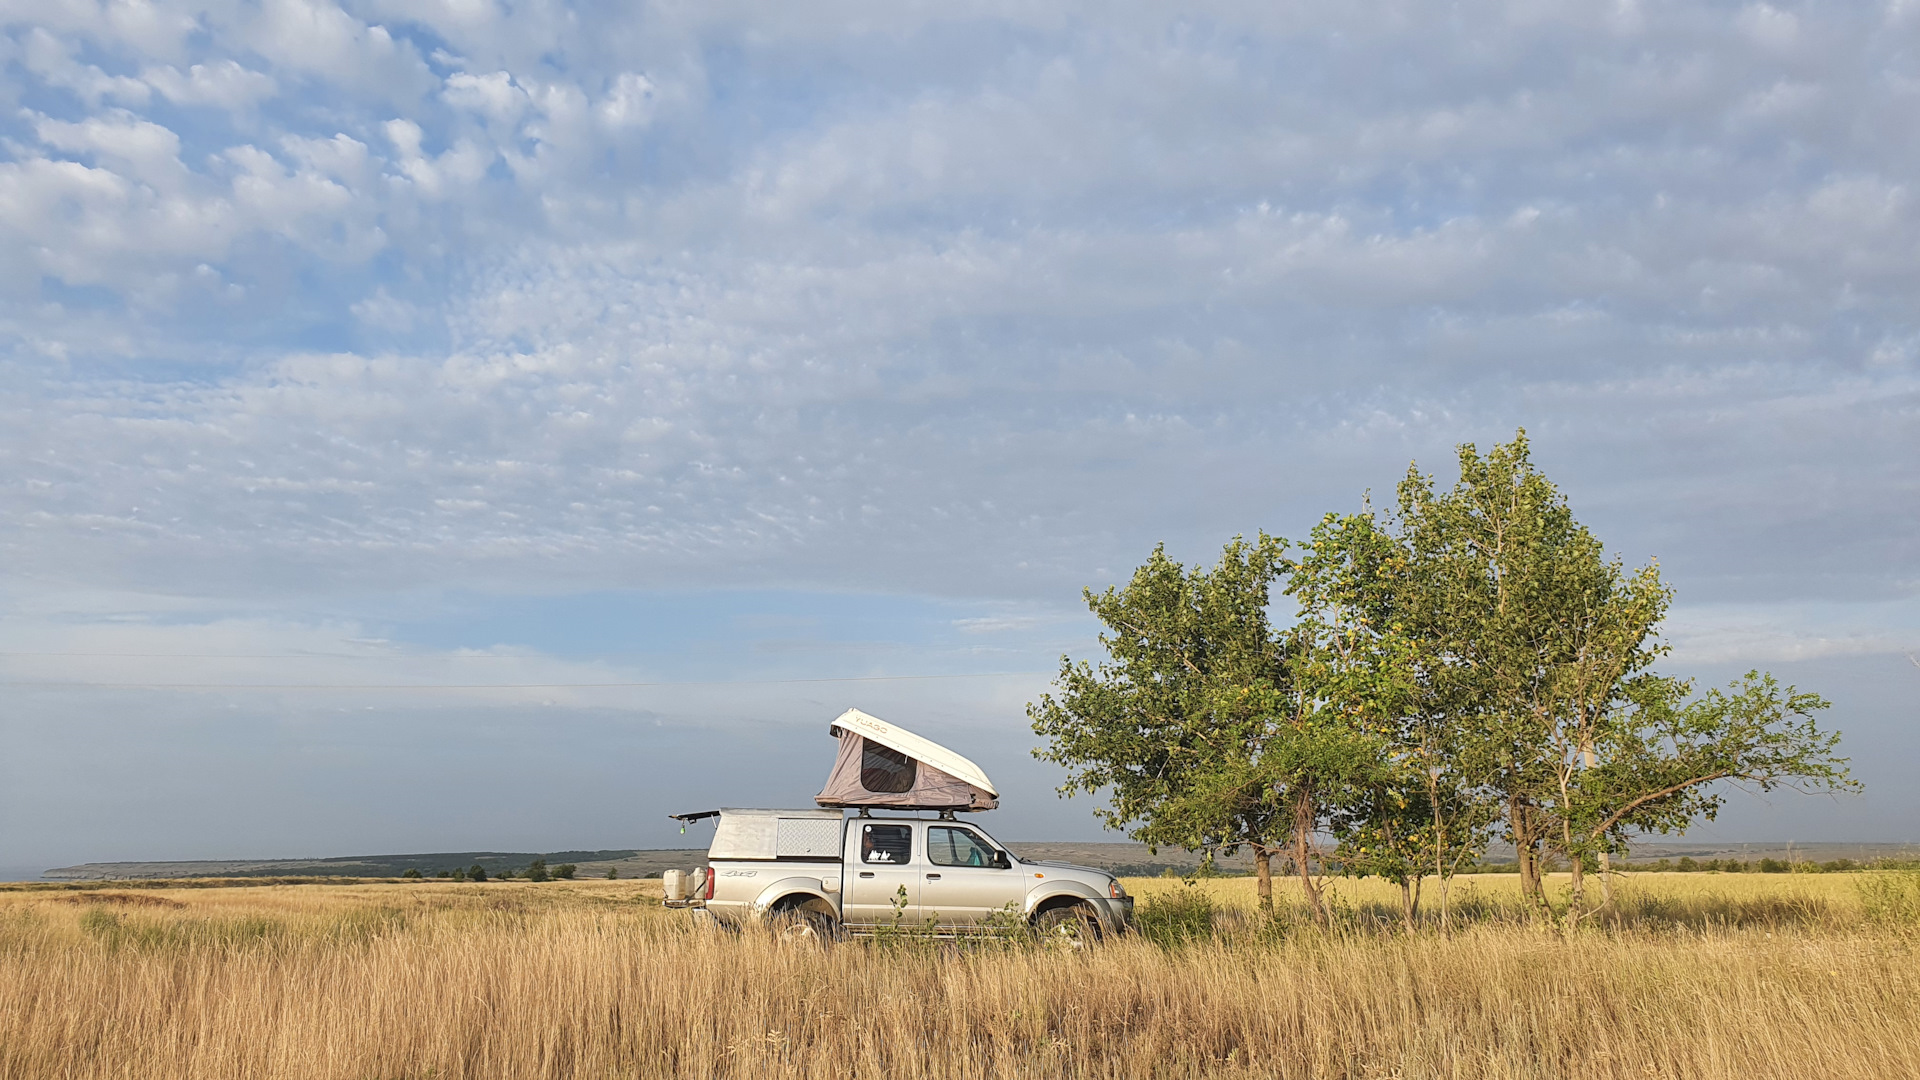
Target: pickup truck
[819, 874]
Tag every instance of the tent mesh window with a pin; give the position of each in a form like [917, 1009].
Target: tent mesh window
[885, 770]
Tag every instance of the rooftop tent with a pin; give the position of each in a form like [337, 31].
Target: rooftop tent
[882, 765]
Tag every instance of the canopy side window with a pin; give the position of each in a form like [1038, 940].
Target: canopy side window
[885, 770]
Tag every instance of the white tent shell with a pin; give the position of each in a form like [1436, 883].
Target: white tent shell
[941, 779]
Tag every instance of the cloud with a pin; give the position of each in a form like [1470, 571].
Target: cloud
[327, 319]
[51, 59]
[1759, 634]
[987, 303]
[629, 102]
[223, 84]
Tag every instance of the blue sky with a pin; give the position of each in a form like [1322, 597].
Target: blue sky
[450, 341]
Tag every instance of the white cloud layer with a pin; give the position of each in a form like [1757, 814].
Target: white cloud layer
[418, 297]
[309, 298]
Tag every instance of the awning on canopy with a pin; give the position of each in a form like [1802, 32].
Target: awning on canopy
[880, 764]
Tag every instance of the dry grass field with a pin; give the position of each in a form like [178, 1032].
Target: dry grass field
[1700, 976]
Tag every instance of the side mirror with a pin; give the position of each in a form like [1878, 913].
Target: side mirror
[1002, 861]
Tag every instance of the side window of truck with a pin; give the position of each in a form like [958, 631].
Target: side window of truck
[886, 843]
[948, 846]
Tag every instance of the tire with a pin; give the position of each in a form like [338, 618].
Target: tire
[798, 926]
[1069, 929]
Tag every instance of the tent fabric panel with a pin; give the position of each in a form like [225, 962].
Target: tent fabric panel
[932, 788]
[937, 790]
[843, 783]
[914, 746]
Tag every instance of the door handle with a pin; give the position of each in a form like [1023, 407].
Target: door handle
[866, 873]
[933, 877]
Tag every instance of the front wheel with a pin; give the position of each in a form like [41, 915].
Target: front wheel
[1069, 929]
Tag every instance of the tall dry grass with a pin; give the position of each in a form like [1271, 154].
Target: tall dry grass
[592, 979]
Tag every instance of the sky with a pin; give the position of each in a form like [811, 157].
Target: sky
[413, 362]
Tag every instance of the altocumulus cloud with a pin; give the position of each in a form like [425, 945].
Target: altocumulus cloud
[312, 305]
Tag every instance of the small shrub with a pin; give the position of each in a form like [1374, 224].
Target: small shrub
[1006, 926]
[537, 871]
[412, 873]
[1175, 918]
[613, 873]
[476, 872]
[564, 872]
[1772, 866]
[100, 924]
[1687, 865]
[1891, 897]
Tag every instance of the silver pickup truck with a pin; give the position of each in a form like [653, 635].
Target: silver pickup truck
[820, 873]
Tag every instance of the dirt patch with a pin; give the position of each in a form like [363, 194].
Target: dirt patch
[129, 899]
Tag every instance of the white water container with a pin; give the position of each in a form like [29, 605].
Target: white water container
[700, 882]
[675, 884]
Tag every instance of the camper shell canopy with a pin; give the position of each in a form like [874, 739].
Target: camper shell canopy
[802, 835]
[880, 765]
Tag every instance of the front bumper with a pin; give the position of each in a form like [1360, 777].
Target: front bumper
[1117, 914]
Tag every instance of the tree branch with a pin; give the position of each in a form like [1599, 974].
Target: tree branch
[1674, 789]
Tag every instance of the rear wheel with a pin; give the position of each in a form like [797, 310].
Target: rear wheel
[1069, 929]
[799, 926]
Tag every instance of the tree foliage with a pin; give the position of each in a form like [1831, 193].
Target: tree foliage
[1173, 722]
[1471, 665]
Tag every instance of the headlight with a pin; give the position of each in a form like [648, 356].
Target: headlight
[1114, 891]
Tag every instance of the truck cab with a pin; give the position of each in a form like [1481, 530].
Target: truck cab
[821, 872]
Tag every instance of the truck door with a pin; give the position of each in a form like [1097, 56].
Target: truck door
[966, 877]
[879, 865]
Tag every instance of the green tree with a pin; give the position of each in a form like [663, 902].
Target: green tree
[1172, 723]
[537, 870]
[1537, 653]
[1534, 632]
[476, 872]
[1329, 753]
[565, 871]
[1660, 764]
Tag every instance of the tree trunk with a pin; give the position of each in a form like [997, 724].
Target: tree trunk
[1606, 862]
[1303, 820]
[1440, 853]
[1263, 878]
[1577, 889]
[1522, 847]
[1576, 872]
[1409, 900]
[1527, 850]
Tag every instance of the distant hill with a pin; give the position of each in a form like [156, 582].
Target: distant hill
[1132, 860]
[630, 863]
